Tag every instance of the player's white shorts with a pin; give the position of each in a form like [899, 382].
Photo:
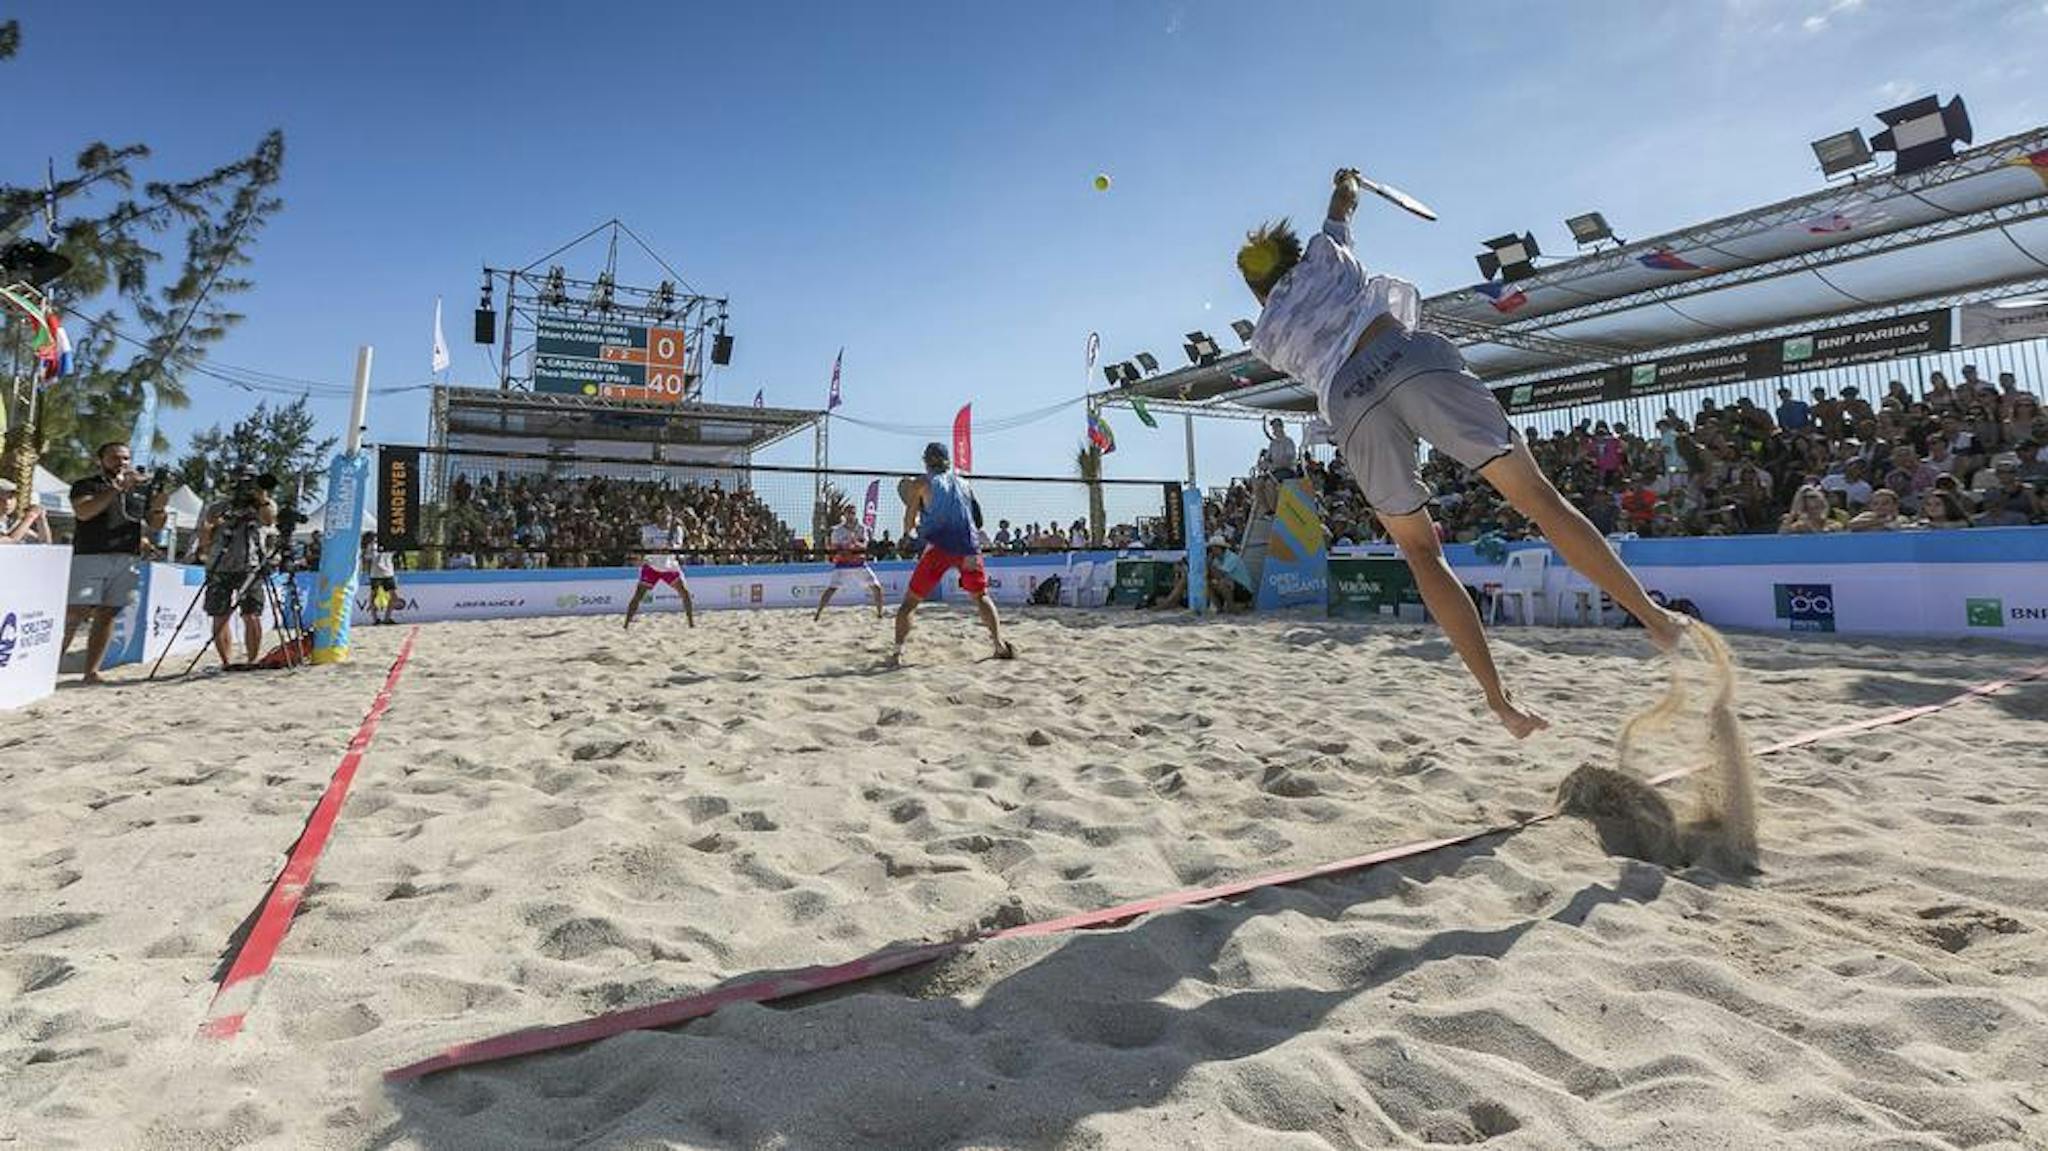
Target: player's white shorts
[862, 576]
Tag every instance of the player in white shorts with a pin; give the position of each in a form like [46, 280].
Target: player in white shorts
[662, 565]
[850, 564]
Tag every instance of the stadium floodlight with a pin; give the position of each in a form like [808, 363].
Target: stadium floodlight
[1148, 361]
[1110, 373]
[601, 294]
[1201, 348]
[1511, 257]
[1842, 152]
[555, 294]
[665, 299]
[1243, 328]
[1923, 133]
[1590, 229]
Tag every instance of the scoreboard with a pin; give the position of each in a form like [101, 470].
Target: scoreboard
[580, 356]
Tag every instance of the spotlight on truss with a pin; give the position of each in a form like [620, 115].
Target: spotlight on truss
[1842, 152]
[1511, 257]
[1923, 133]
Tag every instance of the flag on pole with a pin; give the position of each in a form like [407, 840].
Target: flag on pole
[440, 340]
[871, 505]
[1099, 433]
[52, 348]
[1144, 416]
[832, 401]
[963, 439]
[761, 398]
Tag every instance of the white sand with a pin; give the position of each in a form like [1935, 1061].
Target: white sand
[554, 822]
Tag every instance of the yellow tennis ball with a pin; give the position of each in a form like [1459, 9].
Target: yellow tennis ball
[1102, 182]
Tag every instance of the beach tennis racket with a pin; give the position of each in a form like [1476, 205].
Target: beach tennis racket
[1396, 197]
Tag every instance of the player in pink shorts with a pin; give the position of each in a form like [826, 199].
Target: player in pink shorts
[662, 565]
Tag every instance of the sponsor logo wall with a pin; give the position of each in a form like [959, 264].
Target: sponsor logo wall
[1986, 583]
[425, 597]
[34, 583]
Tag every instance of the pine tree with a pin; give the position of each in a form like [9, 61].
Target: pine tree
[269, 441]
[128, 331]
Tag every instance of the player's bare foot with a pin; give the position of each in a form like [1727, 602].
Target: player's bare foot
[1008, 650]
[1520, 722]
[1667, 628]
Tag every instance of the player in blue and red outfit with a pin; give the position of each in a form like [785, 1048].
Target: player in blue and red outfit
[941, 511]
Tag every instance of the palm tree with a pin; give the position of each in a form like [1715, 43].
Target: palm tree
[1088, 465]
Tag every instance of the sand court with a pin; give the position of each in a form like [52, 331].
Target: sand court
[553, 823]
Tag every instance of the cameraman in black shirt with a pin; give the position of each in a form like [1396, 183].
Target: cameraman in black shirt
[112, 509]
[232, 545]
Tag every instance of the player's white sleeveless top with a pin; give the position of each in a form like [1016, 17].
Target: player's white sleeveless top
[656, 536]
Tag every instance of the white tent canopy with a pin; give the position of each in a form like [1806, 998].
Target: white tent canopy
[317, 513]
[52, 494]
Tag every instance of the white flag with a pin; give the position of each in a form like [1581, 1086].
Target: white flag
[440, 341]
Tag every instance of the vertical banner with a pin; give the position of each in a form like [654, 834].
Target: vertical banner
[342, 528]
[832, 399]
[1297, 552]
[1176, 532]
[1198, 549]
[398, 497]
[870, 506]
[963, 439]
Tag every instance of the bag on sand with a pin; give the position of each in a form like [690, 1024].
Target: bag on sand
[1047, 593]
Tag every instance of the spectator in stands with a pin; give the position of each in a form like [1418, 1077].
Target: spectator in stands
[1793, 414]
[1939, 394]
[2009, 501]
[1855, 409]
[1810, 514]
[2033, 457]
[1882, 515]
[2009, 393]
[2023, 419]
[1909, 476]
[1895, 391]
[1283, 459]
[1944, 509]
[30, 526]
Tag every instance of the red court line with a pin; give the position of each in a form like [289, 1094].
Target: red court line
[237, 992]
[770, 988]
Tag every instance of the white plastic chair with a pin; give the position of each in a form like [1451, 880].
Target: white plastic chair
[1522, 582]
[1588, 602]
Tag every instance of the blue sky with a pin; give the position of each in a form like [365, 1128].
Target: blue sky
[912, 181]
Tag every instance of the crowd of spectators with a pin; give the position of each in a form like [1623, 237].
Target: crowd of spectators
[547, 521]
[1958, 455]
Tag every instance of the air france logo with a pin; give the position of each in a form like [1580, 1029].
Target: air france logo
[1807, 606]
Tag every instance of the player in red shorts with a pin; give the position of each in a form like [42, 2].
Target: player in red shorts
[662, 565]
[850, 564]
[940, 510]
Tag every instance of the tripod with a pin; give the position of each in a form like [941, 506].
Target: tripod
[286, 610]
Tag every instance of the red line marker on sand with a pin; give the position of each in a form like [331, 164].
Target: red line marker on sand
[769, 988]
[237, 992]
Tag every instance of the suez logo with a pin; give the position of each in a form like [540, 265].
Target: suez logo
[566, 599]
[1990, 611]
[22, 633]
[1806, 606]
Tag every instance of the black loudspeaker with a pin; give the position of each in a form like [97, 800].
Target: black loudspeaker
[486, 326]
[721, 349]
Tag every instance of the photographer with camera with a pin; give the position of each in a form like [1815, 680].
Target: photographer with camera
[232, 546]
[112, 508]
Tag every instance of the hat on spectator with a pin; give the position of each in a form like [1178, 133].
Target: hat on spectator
[2005, 460]
[1217, 541]
[7, 486]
